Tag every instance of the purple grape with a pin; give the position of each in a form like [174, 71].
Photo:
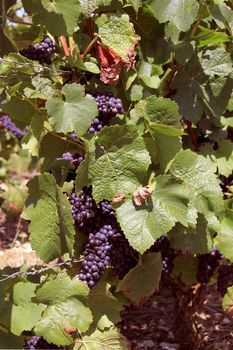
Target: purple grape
[37, 342]
[83, 206]
[10, 126]
[108, 106]
[168, 254]
[40, 51]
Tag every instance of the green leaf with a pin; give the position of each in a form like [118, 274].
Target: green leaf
[198, 174]
[111, 339]
[10, 341]
[166, 206]
[6, 44]
[162, 111]
[206, 36]
[222, 157]
[117, 33]
[136, 4]
[24, 309]
[216, 61]
[227, 300]
[59, 17]
[122, 164]
[70, 313]
[142, 281]
[181, 12]
[195, 240]
[73, 113]
[185, 269]
[104, 305]
[224, 238]
[56, 146]
[21, 111]
[52, 293]
[51, 227]
[89, 6]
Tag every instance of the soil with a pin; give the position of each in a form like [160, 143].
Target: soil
[152, 326]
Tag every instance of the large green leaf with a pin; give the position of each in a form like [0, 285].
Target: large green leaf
[122, 162]
[104, 305]
[111, 339]
[142, 281]
[70, 313]
[73, 113]
[58, 16]
[167, 205]
[180, 12]
[51, 292]
[198, 173]
[51, 227]
[117, 33]
[24, 309]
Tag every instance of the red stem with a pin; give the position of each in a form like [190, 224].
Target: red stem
[65, 46]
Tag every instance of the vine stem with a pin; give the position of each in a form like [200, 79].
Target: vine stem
[18, 230]
[65, 47]
[89, 47]
[39, 271]
[20, 21]
[194, 29]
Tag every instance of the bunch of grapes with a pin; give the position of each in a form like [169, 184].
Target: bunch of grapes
[225, 278]
[36, 342]
[41, 51]
[10, 126]
[207, 265]
[168, 254]
[105, 208]
[108, 106]
[97, 252]
[74, 159]
[82, 206]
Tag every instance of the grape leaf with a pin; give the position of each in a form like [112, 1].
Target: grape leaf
[75, 113]
[192, 240]
[222, 157]
[122, 164]
[117, 33]
[70, 313]
[224, 238]
[48, 209]
[198, 174]
[142, 281]
[24, 309]
[51, 293]
[227, 301]
[104, 305]
[110, 339]
[206, 36]
[216, 61]
[167, 205]
[10, 341]
[186, 269]
[59, 17]
[180, 12]
[21, 115]
[57, 146]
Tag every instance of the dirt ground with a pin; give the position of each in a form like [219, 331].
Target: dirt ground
[148, 327]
